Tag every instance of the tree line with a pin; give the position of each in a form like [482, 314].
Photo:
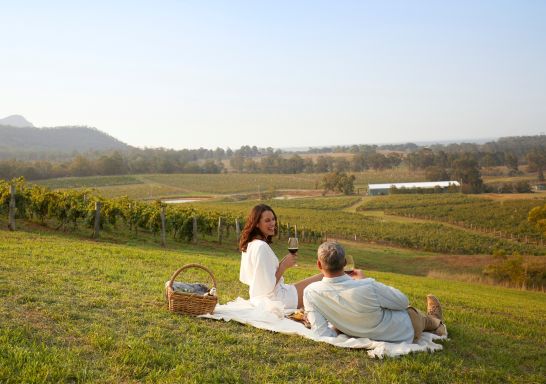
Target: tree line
[438, 163]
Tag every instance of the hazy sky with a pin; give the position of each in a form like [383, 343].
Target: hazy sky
[186, 74]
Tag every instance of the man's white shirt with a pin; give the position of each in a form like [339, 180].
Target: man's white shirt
[358, 308]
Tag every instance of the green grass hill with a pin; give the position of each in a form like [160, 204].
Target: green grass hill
[75, 310]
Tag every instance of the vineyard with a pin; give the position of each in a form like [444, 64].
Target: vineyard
[353, 226]
[321, 203]
[69, 209]
[506, 217]
[315, 219]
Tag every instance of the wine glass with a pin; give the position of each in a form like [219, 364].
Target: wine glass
[350, 266]
[293, 246]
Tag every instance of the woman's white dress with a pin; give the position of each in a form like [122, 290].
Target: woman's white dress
[258, 267]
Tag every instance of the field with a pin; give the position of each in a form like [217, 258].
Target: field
[75, 310]
[90, 182]
[178, 185]
[155, 186]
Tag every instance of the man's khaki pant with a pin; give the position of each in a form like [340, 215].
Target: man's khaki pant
[422, 322]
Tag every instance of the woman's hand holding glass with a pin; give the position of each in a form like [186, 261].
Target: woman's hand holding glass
[293, 246]
[290, 260]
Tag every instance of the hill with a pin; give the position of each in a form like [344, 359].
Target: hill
[58, 139]
[75, 310]
[16, 121]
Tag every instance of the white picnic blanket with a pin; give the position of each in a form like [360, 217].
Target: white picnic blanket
[269, 315]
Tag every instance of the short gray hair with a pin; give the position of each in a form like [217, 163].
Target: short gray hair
[331, 256]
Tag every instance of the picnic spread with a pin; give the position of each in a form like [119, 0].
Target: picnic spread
[200, 300]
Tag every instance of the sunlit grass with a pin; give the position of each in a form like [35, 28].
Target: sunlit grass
[75, 310]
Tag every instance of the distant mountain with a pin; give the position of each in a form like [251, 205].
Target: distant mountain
[27, 140]
[16, 121]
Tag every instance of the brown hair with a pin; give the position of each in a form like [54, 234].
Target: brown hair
[251, 231]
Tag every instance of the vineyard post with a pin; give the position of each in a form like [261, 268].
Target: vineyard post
[220, 230]
[11, 214]
[237, 229]
[295, 231]
[96, 231]
[163, 222]
[194, 230]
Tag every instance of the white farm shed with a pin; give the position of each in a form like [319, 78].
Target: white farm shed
[384, 189]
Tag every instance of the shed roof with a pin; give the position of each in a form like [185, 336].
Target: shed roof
[425, 184]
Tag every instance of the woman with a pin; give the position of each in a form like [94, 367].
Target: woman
[260, 267]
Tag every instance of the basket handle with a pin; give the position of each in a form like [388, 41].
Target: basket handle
[171, 281]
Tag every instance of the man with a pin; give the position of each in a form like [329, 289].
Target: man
[362, 307]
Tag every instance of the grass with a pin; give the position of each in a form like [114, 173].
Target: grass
[152, 186]
[235, 182]
[88, 181]
[75, 310]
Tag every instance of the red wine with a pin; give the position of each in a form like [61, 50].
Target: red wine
[292, 250]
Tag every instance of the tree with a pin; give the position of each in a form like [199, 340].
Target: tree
[210, 166]
[378, 161]
[237, 162]
[537, 160]
[359, 162]
[338, 182]
[489, 160]
[294, 164]
[511, 161]
[341, 164]
[323, 164]
[111, 165]
[395, 159]
[80, 166]
[250, 165]
[537, 216]
[466, 169]
[436, 173]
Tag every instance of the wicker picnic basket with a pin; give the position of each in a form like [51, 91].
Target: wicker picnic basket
[190, 303]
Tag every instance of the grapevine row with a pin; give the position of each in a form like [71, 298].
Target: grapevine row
[72, 208]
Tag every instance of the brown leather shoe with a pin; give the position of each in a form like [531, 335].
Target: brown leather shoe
[434, 308]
